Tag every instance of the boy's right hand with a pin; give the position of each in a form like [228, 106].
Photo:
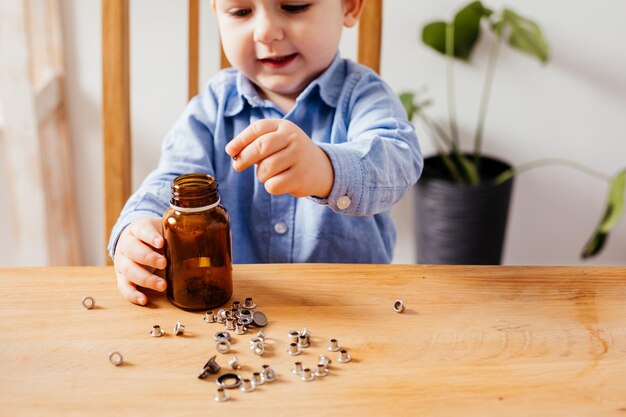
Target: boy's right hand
[135, 259]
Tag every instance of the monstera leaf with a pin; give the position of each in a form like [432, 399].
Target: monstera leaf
[612, 215]
[525, 35]
[466, 26]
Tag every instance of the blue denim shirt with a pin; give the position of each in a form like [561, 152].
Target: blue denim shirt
[351, 114]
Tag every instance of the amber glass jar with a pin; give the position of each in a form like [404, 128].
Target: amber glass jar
[197, 245]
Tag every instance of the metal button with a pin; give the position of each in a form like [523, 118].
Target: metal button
[116, 358]
[259, 318]
[343, 202]
[89, 303]
[280, 228]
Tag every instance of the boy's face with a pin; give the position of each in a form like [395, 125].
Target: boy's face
[283, 45]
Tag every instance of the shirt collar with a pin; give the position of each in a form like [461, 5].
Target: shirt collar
[329, 85]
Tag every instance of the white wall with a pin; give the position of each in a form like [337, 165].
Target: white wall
[572, 108]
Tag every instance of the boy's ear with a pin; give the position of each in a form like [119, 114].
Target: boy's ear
[352, 11]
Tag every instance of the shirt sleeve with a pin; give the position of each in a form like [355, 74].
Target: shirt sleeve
[380, 158]
[187, 148]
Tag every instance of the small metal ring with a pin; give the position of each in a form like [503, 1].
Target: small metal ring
[116, 358]
[258, 348]
[223, 381]
[222, 346]
[398, 306]
[89, 303]
[221, 336]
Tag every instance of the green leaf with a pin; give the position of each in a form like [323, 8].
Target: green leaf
[612, 214]
[467, 28]
[407, 99]
[525, 35]
[466, 31]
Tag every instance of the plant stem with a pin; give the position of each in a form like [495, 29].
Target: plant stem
[440, 132]
[451, 89]
[506, 175]
[484, 102]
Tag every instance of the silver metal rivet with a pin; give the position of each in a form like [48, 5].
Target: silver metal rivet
[157, 331]
[307, 375]
[220, 317]
[222, 346]
[258, 348]
[305, 332]
[294, 349]
[261, 335]
[325, 360]
[236, 305]
[398, 306]
[209, 317]
[221, 336]
[240, 328]
[344, 356]
[230, 323]
[179, 329]
[294, 335]
[234, 363]
[221, 395]
[246, 385]
[333, 345]
[89, 303]
[321, 370]
[257, 378]
[248, 303]
[228, 381]
[211, 367]
[303, 341]
[268, 373]
[116, 358]
[297, 368]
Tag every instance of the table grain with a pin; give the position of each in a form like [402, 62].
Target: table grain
[472, 341]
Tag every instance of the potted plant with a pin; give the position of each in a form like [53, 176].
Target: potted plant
[463, 196]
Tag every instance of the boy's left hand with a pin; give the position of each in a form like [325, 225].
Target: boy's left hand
[288, 161]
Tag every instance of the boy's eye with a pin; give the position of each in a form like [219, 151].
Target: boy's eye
[239, 12]
[295, 8]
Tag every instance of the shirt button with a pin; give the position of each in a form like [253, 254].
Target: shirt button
[343, 202]
[280, 228]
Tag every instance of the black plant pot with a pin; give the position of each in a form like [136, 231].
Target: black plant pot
[461, 225]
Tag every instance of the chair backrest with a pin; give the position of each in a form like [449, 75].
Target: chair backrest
[116, 88]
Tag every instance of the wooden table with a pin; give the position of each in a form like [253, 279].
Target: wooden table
[473, 341]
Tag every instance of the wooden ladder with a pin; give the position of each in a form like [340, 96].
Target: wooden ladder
[34, 140]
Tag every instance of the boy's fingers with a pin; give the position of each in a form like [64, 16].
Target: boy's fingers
[249, 134]
[129, 291]
[259, 150]
[144, 255]
[147, 232]
[272, 165]
[138, 275]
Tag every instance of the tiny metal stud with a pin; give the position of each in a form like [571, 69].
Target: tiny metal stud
[303, 341]
[321, 370]
[240, 328]
[294, 349]
[297, 368]
[248, 303]
[221, 335]
[221, 395]
[294, 335]
[209, 317]
[230, 323]
[268, 373]
[89, 303]
[325, 360]
[344, 356]
[333, 345]
[398, 306]
[257, 378]
[157, 331]
[246, 385]
[307, 375]
[179, 329]
[234, 363]
[258, 348]
[236, 305]
[305, 332]
[222, 346]
[261, 335]
[116, 358]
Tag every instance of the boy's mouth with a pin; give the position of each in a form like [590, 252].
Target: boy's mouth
[278, 61]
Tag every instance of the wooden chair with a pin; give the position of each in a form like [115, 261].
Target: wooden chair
[116, 89]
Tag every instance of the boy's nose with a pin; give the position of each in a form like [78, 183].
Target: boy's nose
[267, 29]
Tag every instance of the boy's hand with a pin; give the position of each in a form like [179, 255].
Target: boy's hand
[135, 259]
[288, 161]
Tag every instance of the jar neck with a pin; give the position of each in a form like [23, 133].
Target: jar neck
[194, 191]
